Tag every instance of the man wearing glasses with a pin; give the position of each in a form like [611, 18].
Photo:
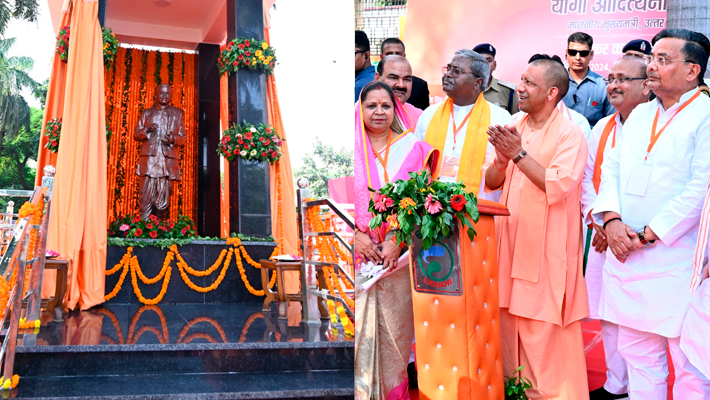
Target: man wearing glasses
[649, 203]
[626, 87]
[364, 70]
[587, 92]
[457, 126]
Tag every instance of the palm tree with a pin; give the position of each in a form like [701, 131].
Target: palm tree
[14, 78]
[21, 9]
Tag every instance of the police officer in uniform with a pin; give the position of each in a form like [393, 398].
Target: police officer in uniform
[500, 93]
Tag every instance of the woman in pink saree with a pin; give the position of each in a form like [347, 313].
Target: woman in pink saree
[385, 150]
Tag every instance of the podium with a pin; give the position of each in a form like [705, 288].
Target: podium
[456, 313]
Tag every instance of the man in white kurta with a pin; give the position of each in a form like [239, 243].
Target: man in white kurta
[652, 188]
[464, 90]
[626, 89]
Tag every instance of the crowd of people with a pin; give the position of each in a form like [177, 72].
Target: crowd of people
[606, 181]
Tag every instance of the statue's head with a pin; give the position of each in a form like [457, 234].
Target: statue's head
[163, 94]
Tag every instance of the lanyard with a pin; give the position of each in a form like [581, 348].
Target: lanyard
[387, 155]
[456, 130]
[654, 135]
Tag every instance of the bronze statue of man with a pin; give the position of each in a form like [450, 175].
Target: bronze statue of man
[161, 131]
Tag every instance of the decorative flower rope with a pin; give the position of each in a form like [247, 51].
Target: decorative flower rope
[247, 325]
[165, 338]
[196, 321]
[130, 263]
[116, 325]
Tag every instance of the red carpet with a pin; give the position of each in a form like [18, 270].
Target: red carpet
[596, 367]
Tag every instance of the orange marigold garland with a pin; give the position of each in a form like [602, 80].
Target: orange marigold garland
[166, 334]
[251, 319]
[130, 263]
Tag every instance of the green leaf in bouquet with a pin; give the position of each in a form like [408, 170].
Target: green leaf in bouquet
[471, 234]
[427, 242]
[376, 221]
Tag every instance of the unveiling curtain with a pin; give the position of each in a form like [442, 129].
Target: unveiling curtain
[77, 226]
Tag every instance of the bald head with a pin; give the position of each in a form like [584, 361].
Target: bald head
[554, 75]
[396, 72]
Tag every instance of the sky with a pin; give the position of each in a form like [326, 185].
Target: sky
[314, 73]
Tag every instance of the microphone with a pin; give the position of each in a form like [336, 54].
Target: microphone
[574, 97]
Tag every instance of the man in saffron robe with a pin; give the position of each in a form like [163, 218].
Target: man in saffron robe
[539, 164]
[396, 72]
[626, 88]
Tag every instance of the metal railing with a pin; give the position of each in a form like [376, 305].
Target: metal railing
[310, 291]
[14, 262]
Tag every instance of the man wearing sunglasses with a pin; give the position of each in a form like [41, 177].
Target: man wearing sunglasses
[627, 87]
[650, 200]
[364, 70]
[587, 91]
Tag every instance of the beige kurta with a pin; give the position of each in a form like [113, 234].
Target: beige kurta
[543, 299]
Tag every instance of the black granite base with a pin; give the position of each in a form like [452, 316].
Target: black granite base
[291, 385]
[185, 351]
[199, 255]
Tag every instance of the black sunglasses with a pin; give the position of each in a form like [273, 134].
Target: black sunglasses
[582, 53]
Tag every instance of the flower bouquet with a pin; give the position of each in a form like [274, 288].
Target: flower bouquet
[255, 143]
[418, 206]
[423, 206]
[247, 53]
[52, 131]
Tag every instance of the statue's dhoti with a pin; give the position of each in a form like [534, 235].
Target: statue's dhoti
[154, 196]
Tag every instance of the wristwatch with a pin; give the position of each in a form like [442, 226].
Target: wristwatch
[520, 156]
[642, 237]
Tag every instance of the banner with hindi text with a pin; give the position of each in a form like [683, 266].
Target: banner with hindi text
[519, 29]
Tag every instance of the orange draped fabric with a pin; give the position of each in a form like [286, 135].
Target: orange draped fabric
[77, 223]
[53, 107]
[282, 226]
[130, 87]
[224, 119]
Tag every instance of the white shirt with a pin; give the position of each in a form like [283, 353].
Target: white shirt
[595, 261]
[589, 195]
[651, 291]
[499, 116]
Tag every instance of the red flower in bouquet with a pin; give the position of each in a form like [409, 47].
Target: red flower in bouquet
[138, 232]
[382, 202]
[149, 225]
[137, 218]
[247, 135]
[458, 202]
[240, 46]
[183, 230]
[247, 43]
[153, 234]
[153, 218]
[247, 53]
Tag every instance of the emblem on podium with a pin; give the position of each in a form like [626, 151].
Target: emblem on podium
[437, 270]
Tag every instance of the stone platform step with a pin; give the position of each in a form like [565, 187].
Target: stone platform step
[185, 351]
